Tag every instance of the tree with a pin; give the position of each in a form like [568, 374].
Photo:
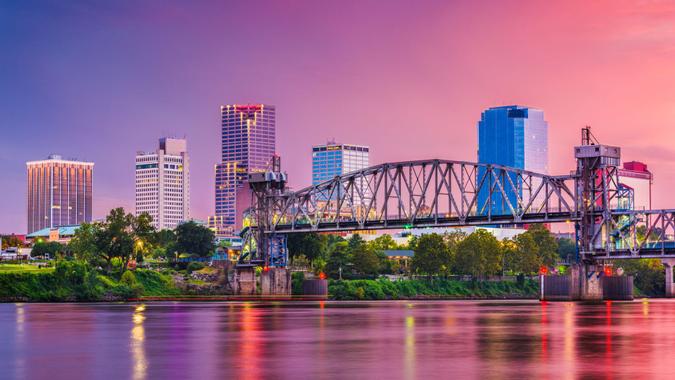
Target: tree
[194, 239]
[120, 236]
[11, 241]
[383, 243]
[432, 256]
[114, 239]
[567, 249]
[164, 243]
[339, 259]
[83, 243]
[310, 245]
[479, 254]
[365, 260]
[546, 243]
[355, 242]
[43, 248]
[521, 254]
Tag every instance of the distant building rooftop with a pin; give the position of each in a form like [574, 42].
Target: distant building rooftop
[399, 252]
[63, 231]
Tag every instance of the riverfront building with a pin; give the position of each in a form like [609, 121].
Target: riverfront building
[59, 193]
[163, 183]
[512, 136]
[248, 142]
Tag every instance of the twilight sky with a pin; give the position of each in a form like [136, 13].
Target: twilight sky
[99, 80]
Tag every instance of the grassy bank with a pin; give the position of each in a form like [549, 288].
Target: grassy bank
[73, 281]
[412, 289]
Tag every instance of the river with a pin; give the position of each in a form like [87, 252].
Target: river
[323, 340]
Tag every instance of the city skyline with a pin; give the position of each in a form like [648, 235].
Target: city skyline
[436, 88]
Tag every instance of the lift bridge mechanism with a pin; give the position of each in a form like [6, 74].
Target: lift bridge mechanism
[443, 193]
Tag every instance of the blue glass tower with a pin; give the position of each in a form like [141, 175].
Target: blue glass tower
[513, 136]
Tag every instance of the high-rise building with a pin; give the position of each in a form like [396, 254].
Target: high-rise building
[248, 143]
[59, 193]
[637, 180]
[163, 183]
[333, 159]
[512, 136]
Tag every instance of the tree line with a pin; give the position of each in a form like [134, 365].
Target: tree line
[454, 253]
[122, 237]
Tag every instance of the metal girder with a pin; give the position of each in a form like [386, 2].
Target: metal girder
[424, 193]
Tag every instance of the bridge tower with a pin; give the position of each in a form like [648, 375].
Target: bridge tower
[261, 249]
[597, 187]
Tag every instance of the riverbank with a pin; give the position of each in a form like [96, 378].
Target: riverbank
[76, 282]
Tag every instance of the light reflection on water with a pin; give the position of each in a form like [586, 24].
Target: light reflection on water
[407, 340]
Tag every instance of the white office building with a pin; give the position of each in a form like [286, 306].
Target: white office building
[163, 183]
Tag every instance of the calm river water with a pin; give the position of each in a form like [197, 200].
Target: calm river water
[322, 340]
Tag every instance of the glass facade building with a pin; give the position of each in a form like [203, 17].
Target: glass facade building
[248, 142]
[512, 136]
[333, 159]
[59, 193]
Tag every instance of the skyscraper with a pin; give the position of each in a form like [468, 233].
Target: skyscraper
[59, 192]
[333, 159]
[512, 136]
[248, 143]
[163, 183]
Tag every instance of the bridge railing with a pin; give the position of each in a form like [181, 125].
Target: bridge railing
[425, 193]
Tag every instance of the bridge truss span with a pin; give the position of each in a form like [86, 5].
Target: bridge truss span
[423, 194]
[640, 233]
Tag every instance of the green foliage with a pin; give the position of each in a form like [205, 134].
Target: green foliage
[546, 244]
[311, 245]
[194, 239]
[648, 275]
[366, 261]
[479, 254]
[521, 255]
[52, 248]
[567, 249]
[119, 237]
[339, 259]
[76, 281]
[297, 278]
[383, 289]
[194, 266]
[432, 255]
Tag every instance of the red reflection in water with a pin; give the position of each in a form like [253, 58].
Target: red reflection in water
[544, 330]
[608, 339]
[250, 343]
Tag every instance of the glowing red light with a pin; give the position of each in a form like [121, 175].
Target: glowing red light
[322, 276]
[266, 268]
[608, 271]
[543, 270]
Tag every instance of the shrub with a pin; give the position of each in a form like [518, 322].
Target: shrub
[297, 278]
[195, 266]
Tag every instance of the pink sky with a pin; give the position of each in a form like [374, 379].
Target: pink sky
[410, 79]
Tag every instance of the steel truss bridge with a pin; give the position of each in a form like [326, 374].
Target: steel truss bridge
[444, 193]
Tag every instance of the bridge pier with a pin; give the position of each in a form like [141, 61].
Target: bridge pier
[670, 286]
[245, 281]
[586, 282]
[275, 281]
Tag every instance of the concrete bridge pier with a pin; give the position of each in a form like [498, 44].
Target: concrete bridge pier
[670, 286]
[245, 281]
[586, 280]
